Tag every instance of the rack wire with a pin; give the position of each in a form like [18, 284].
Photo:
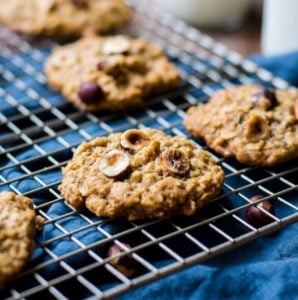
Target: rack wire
[39, 131]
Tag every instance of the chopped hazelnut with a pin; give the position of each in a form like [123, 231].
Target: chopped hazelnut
[101, 65]
[125, 264]
[255, 128]
[114, 163]
[117, 45]
[134, 139]
[294, 110]
[79, 3]
[175, 162]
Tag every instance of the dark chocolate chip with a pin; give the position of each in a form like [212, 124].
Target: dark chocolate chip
[271, 95]
[90, 92]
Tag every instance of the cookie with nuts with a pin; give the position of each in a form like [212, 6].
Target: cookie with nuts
[18, 225]
[141, 174]
[255, 125]
[63, 18]
[110, 73]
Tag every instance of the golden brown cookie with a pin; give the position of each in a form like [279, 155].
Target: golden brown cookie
[257, 126]
[18, 225]
[63, 18]
[110, 73]
[141, 174]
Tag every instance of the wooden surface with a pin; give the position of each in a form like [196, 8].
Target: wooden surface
[246, 39]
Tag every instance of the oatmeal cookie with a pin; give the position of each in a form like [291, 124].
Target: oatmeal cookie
[110, 73]
[18, 225]
[141, 174]
[255, 125]
[63, 18]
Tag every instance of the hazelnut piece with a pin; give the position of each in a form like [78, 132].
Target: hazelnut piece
[48, 5]
[90, 92]
[134, 139]
[294, 110]
[102, 65]
[266, 98]
[255, 216]
[175, 162]
[79, 3]
[114, 163]
[109, 62]
[125, 264]
[255, 128]
[117, 45]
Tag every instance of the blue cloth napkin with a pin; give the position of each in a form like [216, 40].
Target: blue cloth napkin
[284, 66]
[266, 268]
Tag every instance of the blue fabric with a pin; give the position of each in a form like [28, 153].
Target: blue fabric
[266, 268]
[284, 66]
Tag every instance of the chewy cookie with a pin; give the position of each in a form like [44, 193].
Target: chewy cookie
[18, 225]
[113, 73]
[141, 174]
[257, 126]
[62, 18]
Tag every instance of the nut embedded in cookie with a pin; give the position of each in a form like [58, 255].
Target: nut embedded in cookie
[161, 177]
[175, 162]
[80, 3]
[134, 139]
[255, 128]
[114, 163]
[294, 110]
[116, 45]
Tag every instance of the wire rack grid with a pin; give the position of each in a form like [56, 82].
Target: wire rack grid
[39, 131]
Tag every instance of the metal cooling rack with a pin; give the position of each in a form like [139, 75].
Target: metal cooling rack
[39, 130]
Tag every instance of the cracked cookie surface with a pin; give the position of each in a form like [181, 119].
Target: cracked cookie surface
[141, 174]
[18, 225]
[110, 73]
[257, 126]
[63, 18]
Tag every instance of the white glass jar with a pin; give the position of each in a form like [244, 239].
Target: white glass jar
[220, 14]
[280, 26]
